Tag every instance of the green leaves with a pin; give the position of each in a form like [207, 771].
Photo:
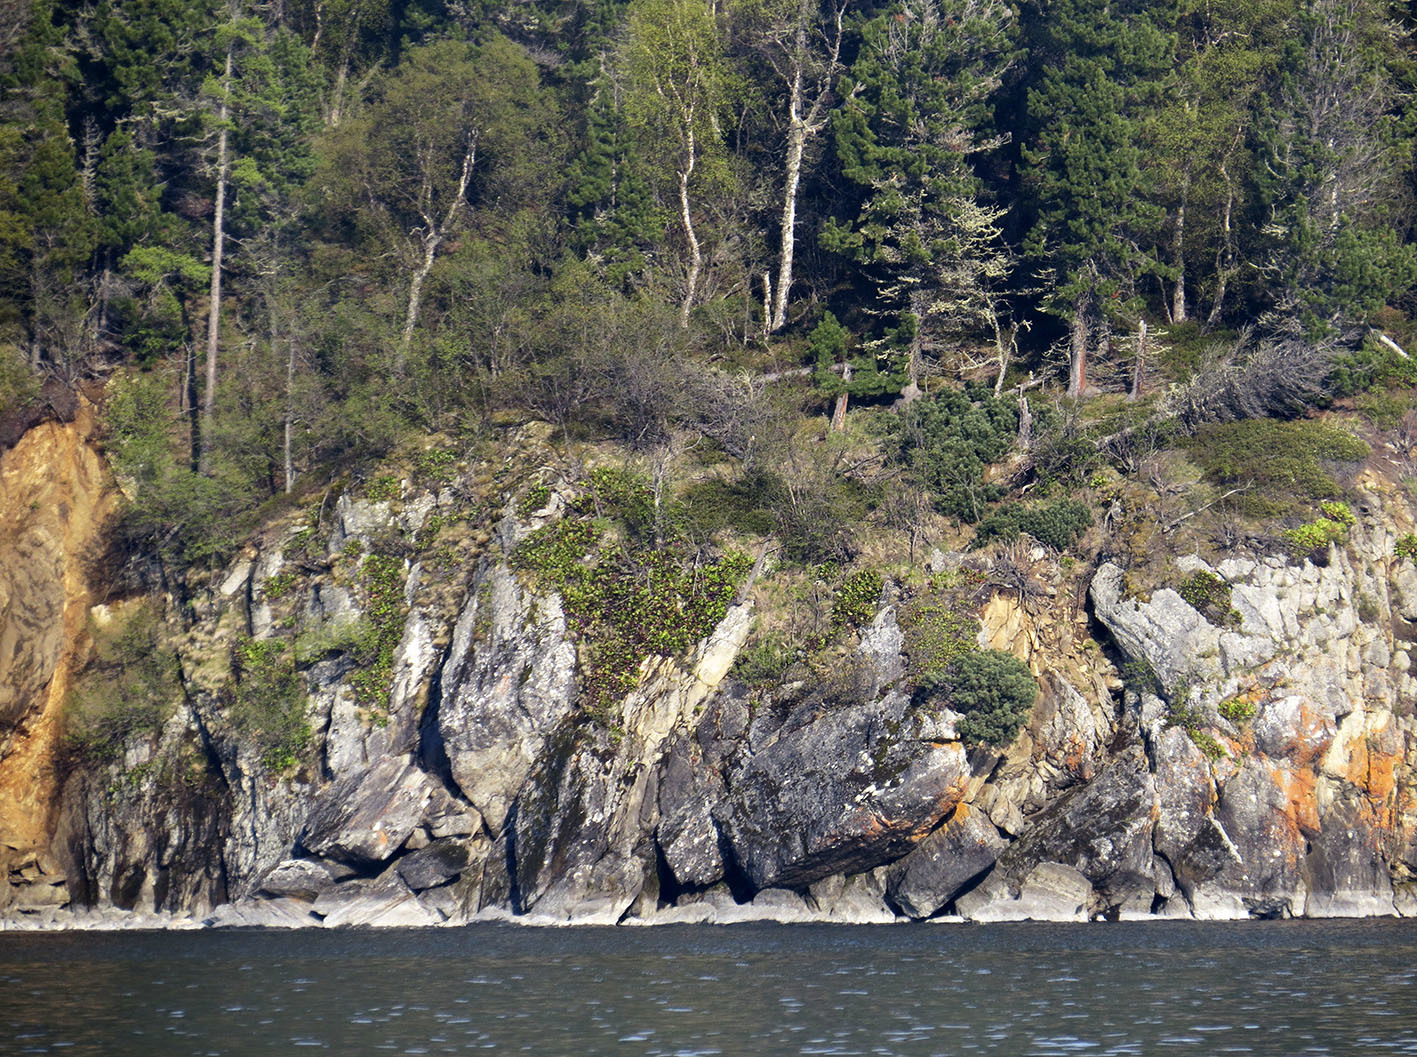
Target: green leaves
[993, 691]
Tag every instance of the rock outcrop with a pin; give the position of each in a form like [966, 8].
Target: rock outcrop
[436, 761]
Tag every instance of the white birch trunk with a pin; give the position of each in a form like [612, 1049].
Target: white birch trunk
[1178, 249]
[218, 247]
[434, 232]
[696, 261]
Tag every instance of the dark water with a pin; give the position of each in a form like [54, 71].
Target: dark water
[1345, 988]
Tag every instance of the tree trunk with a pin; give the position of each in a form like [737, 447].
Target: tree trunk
[1178, 257]
[1025, 424]
[696, 261]
[1140, 363]
[287, 457]
[337, 95]
[432, 238]
[767, 305]
[1077, 365]
[434, 232]
[1004, 345]
[839, 411]
[1225, 256]
[796, 148]
[218, 246]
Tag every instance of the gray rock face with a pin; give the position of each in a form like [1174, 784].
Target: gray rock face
[440, 862]
[584, 843]
[839, 792]
[301, 879]
[1178, 643]
[385, 901]
[508, 683]
[941, 865]
[1187, 834]
[1048, 892]
[1102, 829]
[365, 817]
[688, 836]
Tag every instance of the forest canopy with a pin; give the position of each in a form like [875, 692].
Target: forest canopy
[292, 233]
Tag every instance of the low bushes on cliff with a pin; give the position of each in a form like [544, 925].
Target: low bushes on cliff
[632, 590]
[128, 689]
[993, 692]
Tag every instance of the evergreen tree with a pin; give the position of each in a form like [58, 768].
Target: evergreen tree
[1096, 69]
[1335, 154]
[916, 109]
[612, 203]
[47, 232]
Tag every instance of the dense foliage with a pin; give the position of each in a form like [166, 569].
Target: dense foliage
[993, 692]
[288, 236]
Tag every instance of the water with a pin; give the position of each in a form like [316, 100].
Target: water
[1271, 988]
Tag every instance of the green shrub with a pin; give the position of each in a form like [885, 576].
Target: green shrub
[763, 662]
[1282, 464]
[856, 599]
[1332, 527]
[535, 499]
[382, 577]
[743, 506]
[1209, 596]
[382, 489]
[993, 692]
[19, 383]
[435, 466]
[128, 690]
[1238, 710]
[625, 598]
[555, 550]
[1057, 524]
[279, 585]
[947, 442]
[938, 625]
[1338, 512]
[269, 711]
[1406, 547]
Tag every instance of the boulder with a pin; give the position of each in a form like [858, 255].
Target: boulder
[508, 682]
[944, 863]
[300, 879]
[365, 817]
[383, 901]
[688, 836]
[839, 791]
[1102, 829]
[437, 864]
[1177, 642]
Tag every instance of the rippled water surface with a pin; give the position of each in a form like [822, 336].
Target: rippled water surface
[1345, 988]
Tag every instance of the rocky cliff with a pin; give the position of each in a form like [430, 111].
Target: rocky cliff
[376, 716]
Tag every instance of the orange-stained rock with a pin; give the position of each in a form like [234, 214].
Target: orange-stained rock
[55, 496]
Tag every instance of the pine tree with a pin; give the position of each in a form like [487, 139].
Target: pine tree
[1096, 69]
[916, 109]
[47, 232]
[1334, 155]
[612, 203]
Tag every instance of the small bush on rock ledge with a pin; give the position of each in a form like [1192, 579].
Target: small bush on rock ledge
[993, 691]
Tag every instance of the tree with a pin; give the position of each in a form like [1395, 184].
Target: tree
[1096, 69]
[801, 41]
[455, 125]
[916, 108]
[1333, 162]
[678, 87]
[612, 202]
[262, 107]
[47, 232]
